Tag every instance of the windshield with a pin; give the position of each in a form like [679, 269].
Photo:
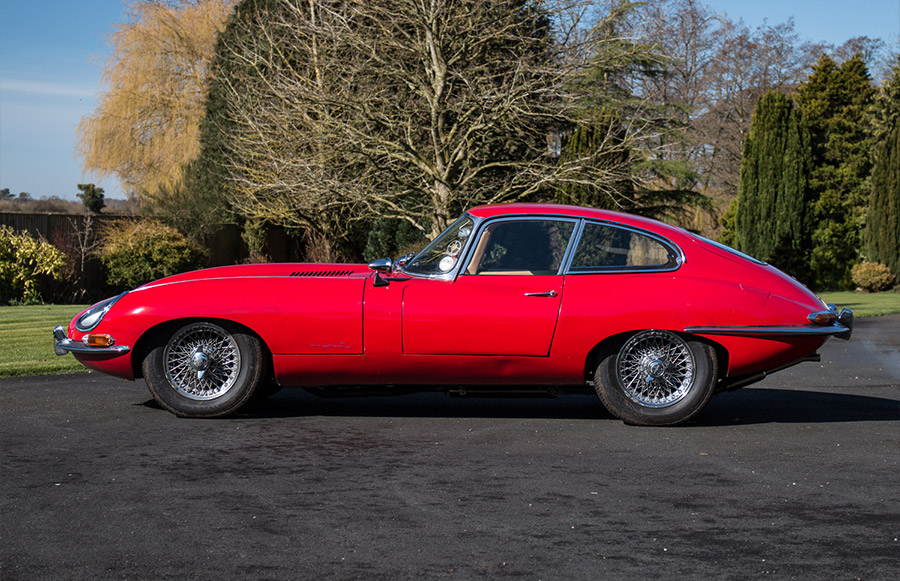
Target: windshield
[441, 256]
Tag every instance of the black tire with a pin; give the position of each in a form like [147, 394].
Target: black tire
[204, 369]
[657, 378]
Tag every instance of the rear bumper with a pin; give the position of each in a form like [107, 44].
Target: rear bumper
[62, 345]
[842, 328]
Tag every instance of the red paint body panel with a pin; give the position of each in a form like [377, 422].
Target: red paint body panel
[291, 314]
[481, 315]
[635, 305]
[331, 325]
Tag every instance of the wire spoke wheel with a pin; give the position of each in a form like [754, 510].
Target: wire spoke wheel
[655, 369]
[204, 369]
[202, 361]
[657, 377]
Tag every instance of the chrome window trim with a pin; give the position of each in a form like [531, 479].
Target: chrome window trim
[485, 222]
[573, 245]
[679, 260]
[451, 274]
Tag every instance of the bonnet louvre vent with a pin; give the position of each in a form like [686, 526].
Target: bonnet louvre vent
[322, 273]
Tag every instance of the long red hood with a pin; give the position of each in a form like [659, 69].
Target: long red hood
[285, 269]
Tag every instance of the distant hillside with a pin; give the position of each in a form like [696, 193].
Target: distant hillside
[57, 205]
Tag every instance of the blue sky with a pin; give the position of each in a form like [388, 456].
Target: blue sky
[52, 52]
[50, 65]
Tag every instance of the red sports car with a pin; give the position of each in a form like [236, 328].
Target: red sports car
[508, 299]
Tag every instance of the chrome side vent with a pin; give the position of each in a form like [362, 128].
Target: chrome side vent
[322, 273]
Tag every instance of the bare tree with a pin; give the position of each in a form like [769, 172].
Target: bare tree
[413, 109]
[748, 63]
[86, 241]
[713, 72]
[683, 31]
[870, 50]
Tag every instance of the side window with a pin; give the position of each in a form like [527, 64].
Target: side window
[521, 247]
[607, 247]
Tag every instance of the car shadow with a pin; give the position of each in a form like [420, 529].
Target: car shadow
[747, 406]
[792, 406]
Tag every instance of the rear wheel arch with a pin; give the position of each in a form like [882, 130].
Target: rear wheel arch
[603, 349]
[613, 343]
[655, 377]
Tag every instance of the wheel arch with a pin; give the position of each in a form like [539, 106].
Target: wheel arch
[149, 337]
[611, 345]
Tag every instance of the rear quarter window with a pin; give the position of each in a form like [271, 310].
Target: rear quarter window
[604, 247]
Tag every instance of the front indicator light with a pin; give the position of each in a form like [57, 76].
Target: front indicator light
[98, 340]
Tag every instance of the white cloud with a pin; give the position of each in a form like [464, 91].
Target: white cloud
[46, 89]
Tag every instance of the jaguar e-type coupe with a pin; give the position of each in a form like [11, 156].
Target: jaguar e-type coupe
[509, 299]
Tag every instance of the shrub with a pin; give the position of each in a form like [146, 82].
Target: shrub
[135, 253]
[26, 266]
[872, 276]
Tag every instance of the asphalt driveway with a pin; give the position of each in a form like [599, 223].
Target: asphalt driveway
[796, 477]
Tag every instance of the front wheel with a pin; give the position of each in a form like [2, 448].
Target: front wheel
[657, 378]
[204, 369]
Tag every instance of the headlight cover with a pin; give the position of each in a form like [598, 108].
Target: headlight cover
[92, 317]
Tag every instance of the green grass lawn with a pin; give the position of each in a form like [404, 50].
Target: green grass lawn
[26, 340]
[865, 304]
[26, 343]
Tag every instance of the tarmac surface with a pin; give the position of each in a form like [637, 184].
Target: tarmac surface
[794, 477]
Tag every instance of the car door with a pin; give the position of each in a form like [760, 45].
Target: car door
[506, 299]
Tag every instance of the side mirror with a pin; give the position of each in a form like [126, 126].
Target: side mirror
[381, 265]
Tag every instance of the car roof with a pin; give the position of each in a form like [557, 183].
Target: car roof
[523, 209]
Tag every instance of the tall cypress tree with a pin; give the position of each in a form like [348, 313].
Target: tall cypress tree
[835, 100]
[771, 220]
[887, 105]
[883, 221]
[882, 234]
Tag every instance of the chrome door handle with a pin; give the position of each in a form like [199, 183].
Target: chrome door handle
[552, 293]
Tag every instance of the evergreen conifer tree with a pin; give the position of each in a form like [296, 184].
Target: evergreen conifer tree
[882, 234]
[92, 197]
[601, 138]
[771, 217]
[883, 221]
[835, 102]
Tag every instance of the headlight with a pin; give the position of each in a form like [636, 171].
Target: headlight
[92, 317]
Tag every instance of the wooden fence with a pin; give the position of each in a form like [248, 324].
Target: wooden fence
[225, 247]
[67, 233]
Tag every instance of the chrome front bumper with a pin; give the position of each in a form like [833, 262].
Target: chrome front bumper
[62, 345]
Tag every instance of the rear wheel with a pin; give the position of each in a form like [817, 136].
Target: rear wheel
[657, 378]
[204, 369]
